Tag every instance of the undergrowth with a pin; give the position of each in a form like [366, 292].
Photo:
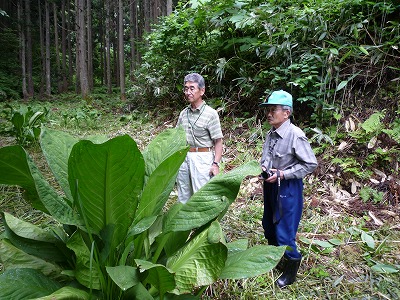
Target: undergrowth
[349, 233]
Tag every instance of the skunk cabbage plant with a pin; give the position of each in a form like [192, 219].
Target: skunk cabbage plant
[115, 235]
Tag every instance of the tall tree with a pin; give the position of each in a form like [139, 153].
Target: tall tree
[57, 47]
[89, 43]
[29, 62]
[63, 48]
[121, 56]
[22, 47]
[82, 48]
[47, 49]
[108, 46]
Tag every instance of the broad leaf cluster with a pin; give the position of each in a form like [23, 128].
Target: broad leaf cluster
[115, 235]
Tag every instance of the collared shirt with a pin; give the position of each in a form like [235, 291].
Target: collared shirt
[202, 125]
[287, 148]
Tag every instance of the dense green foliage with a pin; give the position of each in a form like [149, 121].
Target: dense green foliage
[117, 238]
[326, 53]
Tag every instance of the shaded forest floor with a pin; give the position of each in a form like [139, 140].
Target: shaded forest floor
[350, 247]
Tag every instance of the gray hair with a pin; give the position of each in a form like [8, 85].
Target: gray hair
[286, 107]
[195, 77]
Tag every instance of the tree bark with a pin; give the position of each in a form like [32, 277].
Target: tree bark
[42, 50]
[81, 49]
[89, 44]
[57, 48]
[63, 49]
[108, 46]
[29, 75]
[22, 48]
[121, 56]
[47, 45]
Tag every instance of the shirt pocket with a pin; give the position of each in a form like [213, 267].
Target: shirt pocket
[200, 132]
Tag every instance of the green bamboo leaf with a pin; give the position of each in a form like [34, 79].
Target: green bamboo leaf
[363, 50]
[210, 201]
[20, 284]
[384, 269]
[341, 85]
[369, 240]
[252, 262]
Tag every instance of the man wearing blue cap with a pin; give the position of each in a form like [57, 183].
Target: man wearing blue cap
[286, 158]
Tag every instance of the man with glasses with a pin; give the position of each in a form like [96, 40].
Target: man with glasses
[286, 158]
[203, 134]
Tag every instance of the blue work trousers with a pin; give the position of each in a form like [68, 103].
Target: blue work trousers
[287, 214]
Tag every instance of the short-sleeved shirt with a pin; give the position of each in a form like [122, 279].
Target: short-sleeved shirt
[202, 125]
[287, 148]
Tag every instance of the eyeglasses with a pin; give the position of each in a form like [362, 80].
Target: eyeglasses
[189, 89]
[273, 109]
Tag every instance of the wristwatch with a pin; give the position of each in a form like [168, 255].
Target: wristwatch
[215, 163]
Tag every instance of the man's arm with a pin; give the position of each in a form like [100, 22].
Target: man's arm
[218, 146]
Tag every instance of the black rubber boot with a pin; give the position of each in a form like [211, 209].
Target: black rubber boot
[281, 264]
[289, 272]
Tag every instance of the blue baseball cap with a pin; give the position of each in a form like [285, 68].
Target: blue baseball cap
[279, 98]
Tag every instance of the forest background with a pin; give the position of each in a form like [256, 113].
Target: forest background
[339, 59]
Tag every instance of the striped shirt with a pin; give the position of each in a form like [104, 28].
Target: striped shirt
[288, 149]
[201, 125]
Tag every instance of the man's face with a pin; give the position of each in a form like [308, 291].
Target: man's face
[276, 116]
[193, 93]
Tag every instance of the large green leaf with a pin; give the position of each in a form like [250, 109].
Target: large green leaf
[86, 268]
[13, 258]
[56, 147]
[163, 146]
[17, 168]
[34, 240]
[20, 284]
[14, 170]
[210, 201]
[159, 186]
[200, 262]
[252, 262]
[157, 275]
[106, 181]
[124, 276]
[53, 202]
[67, 293]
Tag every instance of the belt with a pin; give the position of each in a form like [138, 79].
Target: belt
[200, 149]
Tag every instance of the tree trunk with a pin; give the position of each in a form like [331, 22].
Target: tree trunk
[64, 48]
[81, 49]
[29, 76]
[57, 47]
[108, 46]
[89, 45]
[69, 46]
[132, 35]
[42, 50]
[22, 49]
[47, 45]
[169, 7]
[121, 56]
